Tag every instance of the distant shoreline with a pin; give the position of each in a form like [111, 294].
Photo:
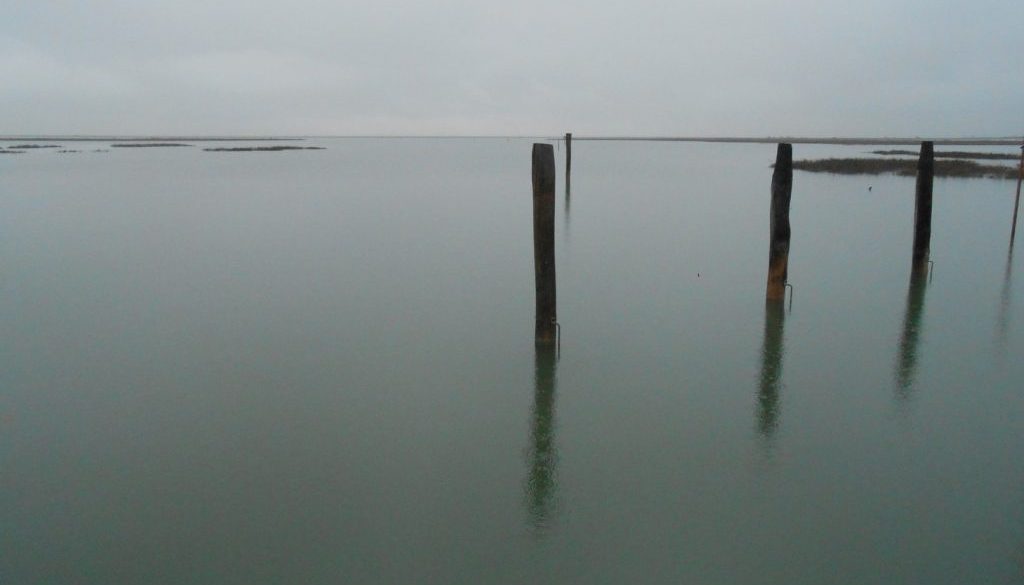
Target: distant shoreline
[59, 138]
[847, 141]
[805, 140]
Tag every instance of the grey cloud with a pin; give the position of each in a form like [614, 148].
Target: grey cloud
[461, 67]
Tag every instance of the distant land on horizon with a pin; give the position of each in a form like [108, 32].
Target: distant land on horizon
[867, 141]
[860, 141]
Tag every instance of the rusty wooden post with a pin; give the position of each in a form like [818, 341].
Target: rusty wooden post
[544, 241]
[778, 255]
[568, 160]
[923, 206]
[1016, 201]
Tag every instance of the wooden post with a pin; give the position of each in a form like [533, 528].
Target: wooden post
[568, 160]
[923, 206]
[778, 254]
[544, 241]
[1016, 202]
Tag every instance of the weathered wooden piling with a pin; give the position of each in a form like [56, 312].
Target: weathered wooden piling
[1016, 201]
[544, 241]
[782, 190]
[923, 206]
[568, 161]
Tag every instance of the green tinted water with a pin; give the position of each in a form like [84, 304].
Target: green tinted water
[318, 367]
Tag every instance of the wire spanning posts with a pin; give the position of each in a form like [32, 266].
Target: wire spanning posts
[544, 242]
[923, 206]
[778, 254]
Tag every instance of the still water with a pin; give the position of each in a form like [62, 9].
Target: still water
[318, 367]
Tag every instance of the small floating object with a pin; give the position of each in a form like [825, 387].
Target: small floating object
[869, 187]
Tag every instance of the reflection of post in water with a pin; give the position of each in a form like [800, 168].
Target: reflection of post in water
[540, 486]
[1003, 322]
[566, 218]
[905, 368]
[771, 369]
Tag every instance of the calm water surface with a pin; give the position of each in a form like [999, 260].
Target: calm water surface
[318, 367]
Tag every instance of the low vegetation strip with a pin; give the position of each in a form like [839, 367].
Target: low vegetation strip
[262, 148]
[149, 145]
[907, 167]
[953, 154]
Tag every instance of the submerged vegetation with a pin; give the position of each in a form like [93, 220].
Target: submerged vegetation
[262, 148]
[953, 154]
[906, 167]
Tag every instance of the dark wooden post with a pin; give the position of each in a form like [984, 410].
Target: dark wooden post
[923, 206]
[544, 241]
[778, 254]
[1016, 201]
[568, 160]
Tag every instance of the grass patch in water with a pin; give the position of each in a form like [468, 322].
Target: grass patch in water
[262, 148]
[953, 154]
[148, 145]
[905, 167]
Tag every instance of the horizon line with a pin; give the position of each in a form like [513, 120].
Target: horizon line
[847, 140]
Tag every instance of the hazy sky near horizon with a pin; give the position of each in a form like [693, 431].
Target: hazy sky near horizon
[804, 67]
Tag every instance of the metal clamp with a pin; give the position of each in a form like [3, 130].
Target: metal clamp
[558, 338]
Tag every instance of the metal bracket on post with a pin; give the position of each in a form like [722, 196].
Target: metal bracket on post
[558, 339]
[931, 270]
[790, 287]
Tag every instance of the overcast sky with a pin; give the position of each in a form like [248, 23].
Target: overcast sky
[804, 67]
